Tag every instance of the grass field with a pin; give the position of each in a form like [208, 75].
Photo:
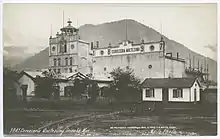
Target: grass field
[125, 123]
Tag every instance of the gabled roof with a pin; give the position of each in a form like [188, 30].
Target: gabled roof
[169, 82]
[33, 74]
[78, 75]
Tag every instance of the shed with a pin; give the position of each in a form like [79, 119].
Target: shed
[171, 89]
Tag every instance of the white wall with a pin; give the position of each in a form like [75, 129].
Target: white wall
[18, 89]
[195, 85]
[63, 85]
[157, 95]
[25, 80]
[185, 98]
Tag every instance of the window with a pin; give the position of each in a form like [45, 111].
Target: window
[60, 48]
[71, 60]
[105, 68]
[150, 92]
[101, 52]
[72, 46]
[54, 61]
[65, 49]
[151, 47]
[150, 66]
[53, 48]
[58, 71]
[59, 60]
[66, 61]
[71, 70]
[177, 93]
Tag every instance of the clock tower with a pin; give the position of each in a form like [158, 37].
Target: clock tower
[67, 53]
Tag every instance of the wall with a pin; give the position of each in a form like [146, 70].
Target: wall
[63, 85]
[174, 68]
[63, 64]
[18, 89]
[195, 86]
[185, 98]
[25, 80]
[139, 62]
[157, 95]
[84, 58]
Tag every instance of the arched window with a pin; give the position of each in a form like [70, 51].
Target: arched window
[71, 61]
[60, 48]
[66, 61]
[54, 61]
[65, 48]
[59, 61]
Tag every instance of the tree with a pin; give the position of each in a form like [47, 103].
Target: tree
[79, 87]
[9, 90]
[125, 84]
[93, 92]
[44, 85]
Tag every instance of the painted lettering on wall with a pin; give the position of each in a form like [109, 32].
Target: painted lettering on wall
[126, 50]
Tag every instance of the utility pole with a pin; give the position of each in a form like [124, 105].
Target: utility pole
[63, 18]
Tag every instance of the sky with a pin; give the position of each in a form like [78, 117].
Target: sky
[194, 25]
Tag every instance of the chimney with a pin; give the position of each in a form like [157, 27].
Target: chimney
[177, 55]
[109, 45]
[91, 45]
[97, 44]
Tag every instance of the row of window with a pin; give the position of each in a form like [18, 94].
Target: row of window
[177, 93]
[63, 48]
[67, 70]
[58, 61]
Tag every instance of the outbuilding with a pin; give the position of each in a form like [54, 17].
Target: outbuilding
[171, 90]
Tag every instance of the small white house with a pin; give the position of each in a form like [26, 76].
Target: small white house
[28, 78]
[171, 90]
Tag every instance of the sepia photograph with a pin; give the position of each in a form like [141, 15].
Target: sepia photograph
[109, 69]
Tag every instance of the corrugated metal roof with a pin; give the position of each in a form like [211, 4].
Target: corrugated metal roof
[168, 82]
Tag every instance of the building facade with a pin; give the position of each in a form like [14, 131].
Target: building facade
[171, 90]
[147, 59]
[69, 54]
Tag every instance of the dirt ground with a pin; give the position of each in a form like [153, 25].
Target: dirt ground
[122, 124]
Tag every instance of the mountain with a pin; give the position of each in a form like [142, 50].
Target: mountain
[13, 55]
[114, 32]
[38, 61]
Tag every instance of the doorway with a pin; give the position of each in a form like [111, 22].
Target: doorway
[165, 95]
